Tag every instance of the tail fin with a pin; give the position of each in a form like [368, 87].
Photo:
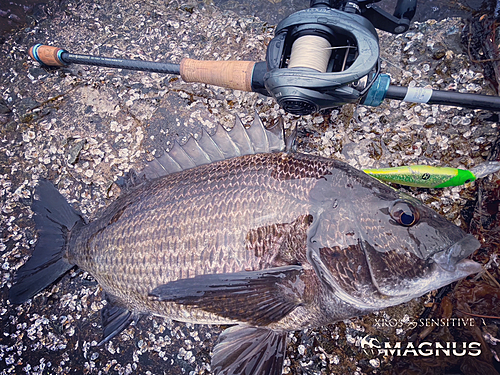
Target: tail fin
[54, 219]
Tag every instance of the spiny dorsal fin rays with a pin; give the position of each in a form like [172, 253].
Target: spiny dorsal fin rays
[179, 154]
[240, 137]
[161, 166]
[224, 142]
[196, 152]
[290, 144]
[222, 145]
[276, 136]
[211, 148]
[258, 134]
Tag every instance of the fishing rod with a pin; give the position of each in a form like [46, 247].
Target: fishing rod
[320, 58]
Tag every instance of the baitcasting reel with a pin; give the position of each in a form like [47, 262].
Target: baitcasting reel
[324, 57]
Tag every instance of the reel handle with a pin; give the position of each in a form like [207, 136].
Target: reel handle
[396, 23]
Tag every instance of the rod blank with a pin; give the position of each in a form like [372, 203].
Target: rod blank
[150, 66]
[472, 101]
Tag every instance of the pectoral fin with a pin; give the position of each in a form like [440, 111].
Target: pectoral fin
[249, 351]
[257, 297]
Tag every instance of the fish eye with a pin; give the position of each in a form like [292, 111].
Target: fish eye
[404, 213]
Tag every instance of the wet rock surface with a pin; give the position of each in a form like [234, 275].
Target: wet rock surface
[85, 127]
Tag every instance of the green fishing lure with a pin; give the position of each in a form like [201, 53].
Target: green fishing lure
[426, 176]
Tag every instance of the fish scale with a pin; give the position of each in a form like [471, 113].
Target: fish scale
[188, 231]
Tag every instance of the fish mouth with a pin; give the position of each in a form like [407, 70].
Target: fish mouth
[443, 268]
[453, 258]
[448, 266]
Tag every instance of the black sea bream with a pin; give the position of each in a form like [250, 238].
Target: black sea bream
[267, 241]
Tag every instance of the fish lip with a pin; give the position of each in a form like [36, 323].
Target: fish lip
[453, 258]
[468, 267]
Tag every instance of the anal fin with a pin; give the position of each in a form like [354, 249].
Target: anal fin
[115, 319]
[247, 350]
[257, 297]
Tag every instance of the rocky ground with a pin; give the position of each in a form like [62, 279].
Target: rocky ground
[84, 127]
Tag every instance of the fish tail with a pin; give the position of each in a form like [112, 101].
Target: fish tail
[54, 221]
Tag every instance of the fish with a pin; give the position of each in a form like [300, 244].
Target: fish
[238, 229]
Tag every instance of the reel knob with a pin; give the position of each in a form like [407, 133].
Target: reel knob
[298, 106]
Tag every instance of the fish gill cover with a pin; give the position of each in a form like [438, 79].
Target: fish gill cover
[84, 127]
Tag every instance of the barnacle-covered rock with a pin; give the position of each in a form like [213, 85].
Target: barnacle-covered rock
[84, 127]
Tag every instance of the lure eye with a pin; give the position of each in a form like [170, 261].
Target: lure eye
[404, 213]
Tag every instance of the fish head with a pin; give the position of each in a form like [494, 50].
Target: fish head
[373, 246]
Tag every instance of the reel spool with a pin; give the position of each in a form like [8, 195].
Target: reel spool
[311, 47]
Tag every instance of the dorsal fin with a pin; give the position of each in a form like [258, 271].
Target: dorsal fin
[223, 144]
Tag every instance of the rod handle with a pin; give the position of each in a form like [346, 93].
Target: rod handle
[47, 55]
[236, 75]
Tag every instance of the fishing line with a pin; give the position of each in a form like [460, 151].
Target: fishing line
[345, 59]
[310, 51]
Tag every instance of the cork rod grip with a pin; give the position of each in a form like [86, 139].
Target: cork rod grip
[236, 75]
[47, 55]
